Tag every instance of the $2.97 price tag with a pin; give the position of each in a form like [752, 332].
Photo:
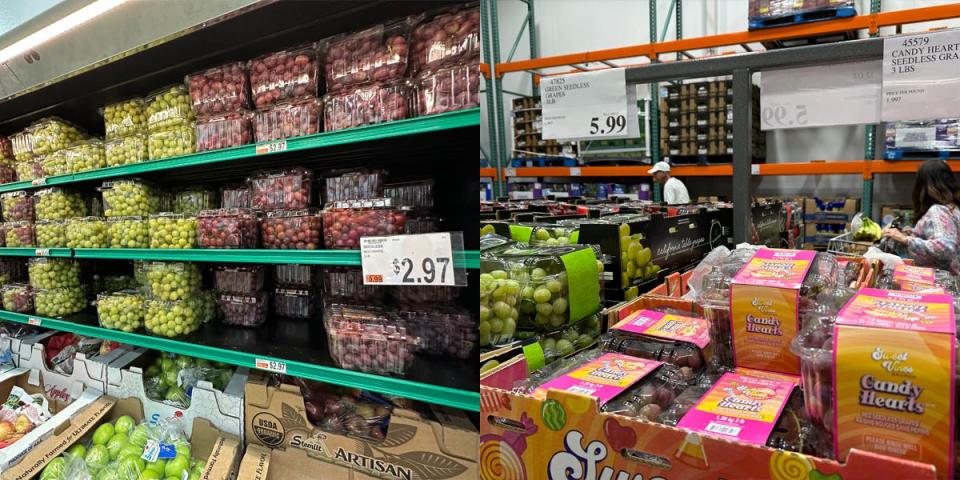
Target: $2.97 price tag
[425, 259]
[272, 147]
[33, 321]
[271, 366]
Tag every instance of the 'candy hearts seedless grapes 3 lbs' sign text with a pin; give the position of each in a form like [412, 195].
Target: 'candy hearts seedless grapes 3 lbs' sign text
[920, 76]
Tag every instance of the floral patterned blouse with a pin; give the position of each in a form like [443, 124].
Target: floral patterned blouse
[935, 240]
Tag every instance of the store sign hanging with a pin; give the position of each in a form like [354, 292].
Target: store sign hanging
[823, 95]
[589, 106]
[921, 76]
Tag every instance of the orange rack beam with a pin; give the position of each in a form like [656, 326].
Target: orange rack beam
[488, 172]
[867, 168]
[871, 22]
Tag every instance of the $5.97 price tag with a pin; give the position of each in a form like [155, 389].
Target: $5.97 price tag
[425, 259]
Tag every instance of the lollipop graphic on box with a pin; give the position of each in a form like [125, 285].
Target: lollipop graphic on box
[501, 457]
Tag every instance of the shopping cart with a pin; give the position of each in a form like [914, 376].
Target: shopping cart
[844, 244]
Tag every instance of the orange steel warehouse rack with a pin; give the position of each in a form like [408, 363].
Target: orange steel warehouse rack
[740, 66]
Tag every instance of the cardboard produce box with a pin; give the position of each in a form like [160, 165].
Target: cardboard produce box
[224, 409]
[415, 447]
[841, 213]
[261, 463]
[89, 372]
[21, 456]
[222, 451]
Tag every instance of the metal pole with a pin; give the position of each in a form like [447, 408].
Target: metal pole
[869, 147]
[666, 22]
[532, 35]
[498, 86]
[654, 106]
[492, 91]
[516, 42]
[679, 23]
[742, 152]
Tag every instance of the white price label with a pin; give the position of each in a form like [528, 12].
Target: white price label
[271, 366]
[425, 259]
[589, 105]
[509, 172]
[841, 94]
[574, 171]
[33, 321]
[754, 169]
[272, 147]
[920, 78]
[39, 181]
[42, 252]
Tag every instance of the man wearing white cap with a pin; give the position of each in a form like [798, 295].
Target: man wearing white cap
[674, 191]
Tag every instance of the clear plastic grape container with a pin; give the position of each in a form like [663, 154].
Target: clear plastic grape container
[283, 75]
[3, 235]
[123, 310]
[55, 203]
[20, 234]
[221, 89]
[6, 150]
[169, 107]
[288, 189]
[376, 54]
[28, 170]
[128, 232]
[17, 205]
[235, 196]
[228, 228]
[85, 156]
[292, 229]
[239, 279]
[365, 340]
[51, 233]
[422, 295]
[126, 150]
[448, 89]
[172, 280]
[441, 330]
[52, 133]
[59, 302]
[416, 194]
[129, 197]
[172, 230]
[12, 270]
[289, 119]
[50, 273]
[446, 36]
[173, 141]
[419, 224]
[8, 173]
[346, 285]
[87, 232]
[355, 186]
[124, 118]
[17, 297]
[367, 105]
[174, 318]
[22, 143]
[243, 310]
[295, 303]
[193, 200]
[345, 222]
[54, 164]
[224, 131]
[296, 276]
[116, 283]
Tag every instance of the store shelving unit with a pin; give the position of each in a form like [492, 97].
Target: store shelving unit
[421, 147]
[743, 55]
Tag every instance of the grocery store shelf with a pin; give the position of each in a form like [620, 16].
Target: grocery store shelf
[867, 168]
[34, 252]
[412, 126]
[244, 347]
[469, 259]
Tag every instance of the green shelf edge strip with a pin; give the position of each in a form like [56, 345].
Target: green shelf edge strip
[425, 124]
[435, 394]
[468, 259]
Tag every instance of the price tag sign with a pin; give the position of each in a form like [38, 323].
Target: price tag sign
[271, 366]
[920, 79]
[33, 321]
[39, 181]
[410, 260]
[589, 106]
[509, 172]
[42, 252]
[841, 94]
[272, 147]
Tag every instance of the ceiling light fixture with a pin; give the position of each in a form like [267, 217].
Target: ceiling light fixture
[57, 28]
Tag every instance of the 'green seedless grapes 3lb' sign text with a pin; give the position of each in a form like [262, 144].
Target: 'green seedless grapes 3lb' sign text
[589, 105]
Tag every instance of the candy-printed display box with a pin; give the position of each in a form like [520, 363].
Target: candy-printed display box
[764, 313]
[565, 437]
[894, 364]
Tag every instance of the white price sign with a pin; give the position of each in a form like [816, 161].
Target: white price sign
[33, 321]
[589, 106]
[271, 366]
[921, 76]
[425, 259]
[842, 94]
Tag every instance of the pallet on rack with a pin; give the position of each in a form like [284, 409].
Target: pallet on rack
[723, 159]
[798, 17]
[915, 154]
[543, 162]
[615, 162]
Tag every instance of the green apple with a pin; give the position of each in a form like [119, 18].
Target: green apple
[78, 450]
[175, 467]
[103, 433]
[116, 444]
[124, 424]
[97, 457]
[150, 475]
[54, 469]
[159, 466]
[140, 436]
